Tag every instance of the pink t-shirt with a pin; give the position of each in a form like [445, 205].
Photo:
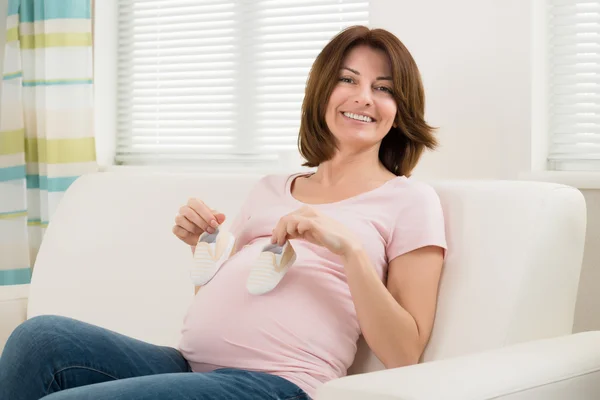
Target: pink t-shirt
[306, 329]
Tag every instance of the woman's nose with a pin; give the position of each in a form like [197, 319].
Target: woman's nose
[363, 97]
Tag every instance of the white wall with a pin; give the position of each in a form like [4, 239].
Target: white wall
[474, 58]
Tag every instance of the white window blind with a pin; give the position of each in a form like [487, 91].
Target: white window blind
[218, 80]
[574, 79]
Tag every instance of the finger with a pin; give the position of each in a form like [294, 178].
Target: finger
[305, 230]
[277, 231]
[304, 226]
[292, 228]
[197, 220]
[219, 216]
[204, 227]
[184, 235]
[177, 231]
[282, 233]
[193, 217]
[186, 224]
[203, 211]
[180, 232]
[190, 224]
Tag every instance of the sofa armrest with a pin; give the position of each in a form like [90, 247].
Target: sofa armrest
[567, 367]
[13, 309]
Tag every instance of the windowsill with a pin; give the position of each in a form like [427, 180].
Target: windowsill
[184, 169]
[149, 168]
[208, 169]
[578, 179]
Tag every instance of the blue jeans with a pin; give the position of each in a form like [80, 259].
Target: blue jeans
[58, 358]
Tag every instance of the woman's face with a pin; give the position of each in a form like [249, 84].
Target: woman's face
[361, 108]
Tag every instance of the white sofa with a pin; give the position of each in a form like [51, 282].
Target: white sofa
[506, 302]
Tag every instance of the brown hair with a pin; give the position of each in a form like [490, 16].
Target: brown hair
[403, 145]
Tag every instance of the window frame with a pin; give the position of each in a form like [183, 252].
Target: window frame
[105, 98]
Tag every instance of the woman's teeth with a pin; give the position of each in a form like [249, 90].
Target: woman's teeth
[358, 117]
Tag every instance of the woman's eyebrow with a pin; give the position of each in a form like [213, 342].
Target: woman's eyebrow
[379, 78]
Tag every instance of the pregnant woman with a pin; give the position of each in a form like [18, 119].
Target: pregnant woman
[368, 244]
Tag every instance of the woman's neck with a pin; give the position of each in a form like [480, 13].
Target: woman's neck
[356, 168]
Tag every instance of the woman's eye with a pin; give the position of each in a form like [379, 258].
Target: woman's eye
[385, 89]
[347, 80]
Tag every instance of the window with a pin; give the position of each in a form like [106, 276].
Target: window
[574, 84]
[218, 81]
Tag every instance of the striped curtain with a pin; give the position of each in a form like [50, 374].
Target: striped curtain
[46, 124]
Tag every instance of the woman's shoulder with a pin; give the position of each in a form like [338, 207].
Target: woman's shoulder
[262, 180]
[271, 179]
[414, 189]
[278, 181]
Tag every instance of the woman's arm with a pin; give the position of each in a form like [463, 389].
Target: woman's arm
[396, 321]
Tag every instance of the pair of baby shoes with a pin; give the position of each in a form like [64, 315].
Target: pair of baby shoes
[213, 249]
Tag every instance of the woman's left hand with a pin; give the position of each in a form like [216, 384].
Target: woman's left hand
[311, 225]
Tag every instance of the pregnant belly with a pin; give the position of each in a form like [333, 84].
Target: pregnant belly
[307, 322]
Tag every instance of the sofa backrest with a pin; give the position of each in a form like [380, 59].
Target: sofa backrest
[511, 274]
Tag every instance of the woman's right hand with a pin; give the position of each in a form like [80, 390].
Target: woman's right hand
[193, 219]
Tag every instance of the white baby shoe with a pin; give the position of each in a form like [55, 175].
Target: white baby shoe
[270, 267]
[211, 252]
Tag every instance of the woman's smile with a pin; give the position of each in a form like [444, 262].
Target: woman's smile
[358, 118]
